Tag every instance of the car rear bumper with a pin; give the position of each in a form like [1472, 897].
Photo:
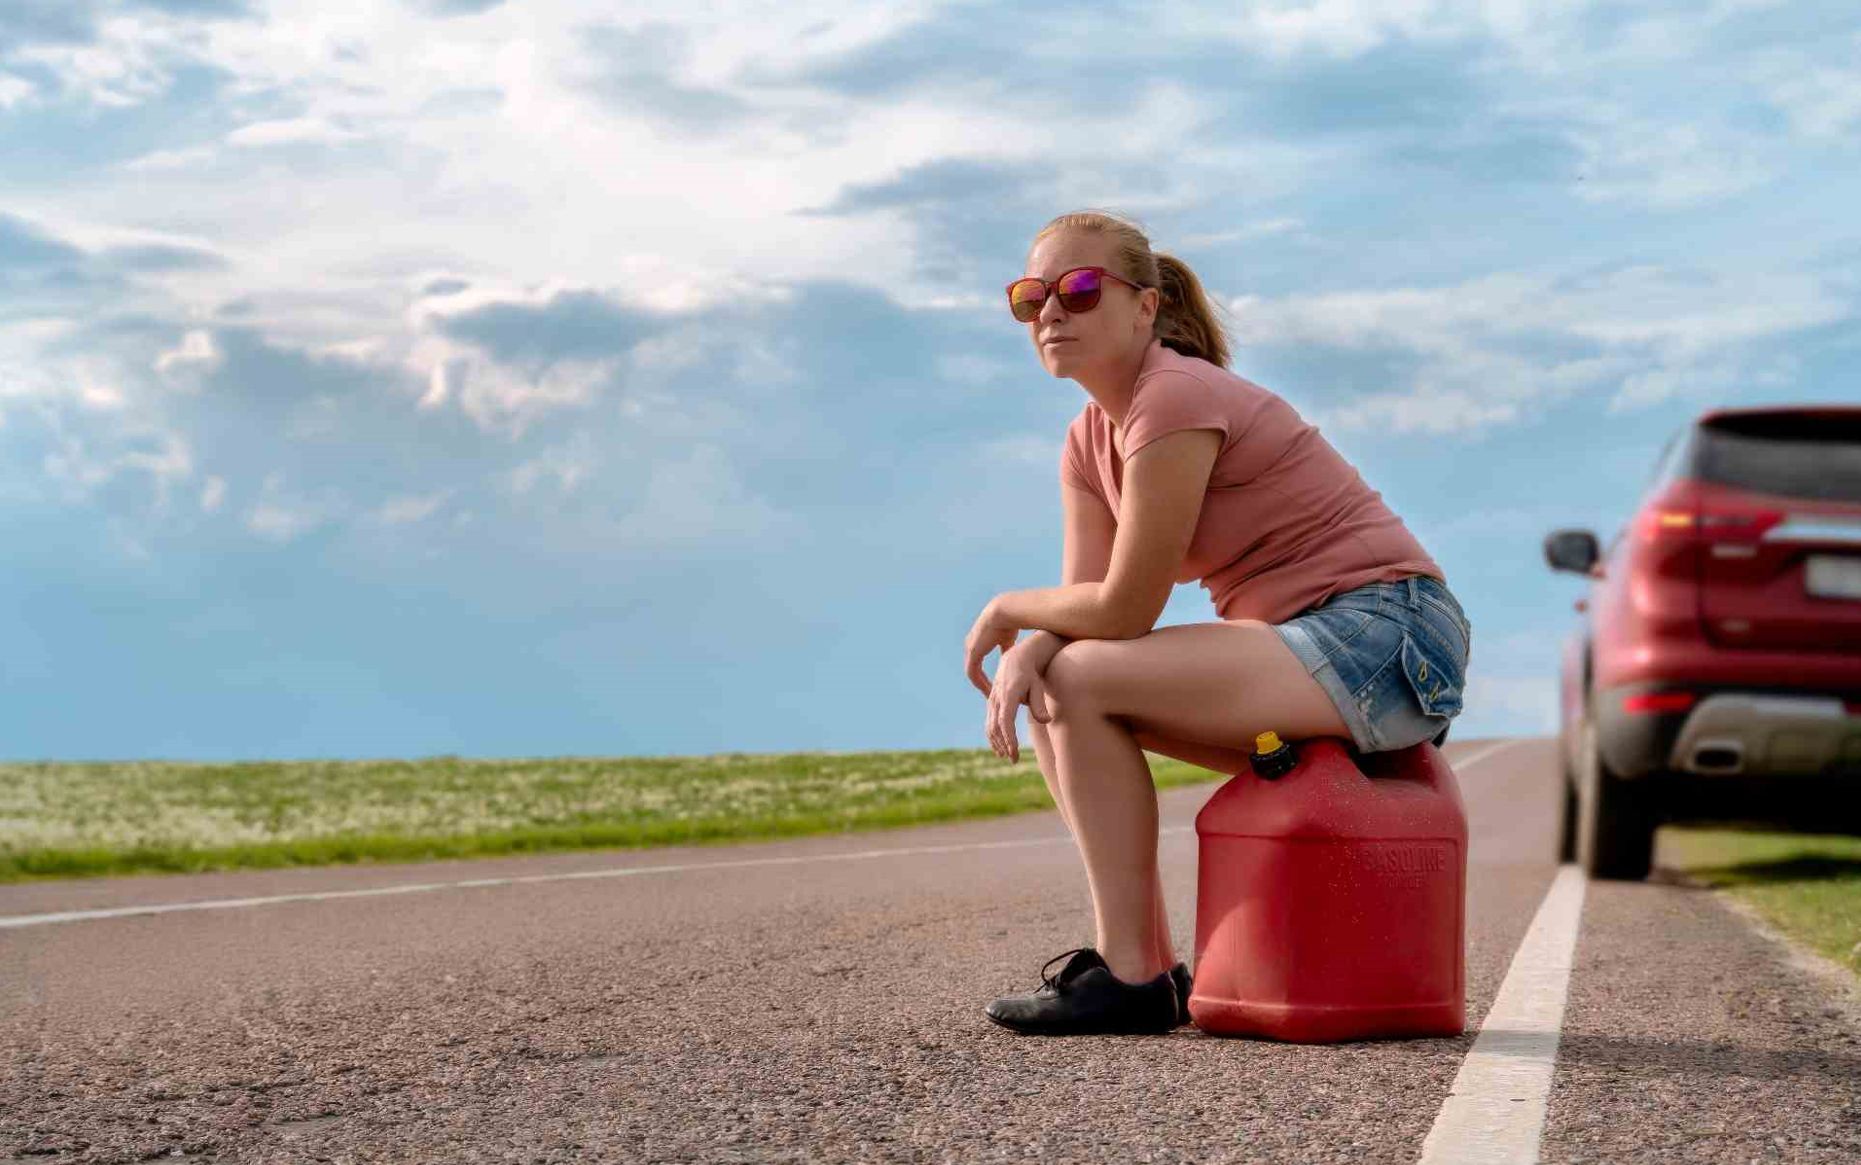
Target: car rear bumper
[1732, 733]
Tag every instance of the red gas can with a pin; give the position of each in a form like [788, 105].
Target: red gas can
[1330, 898]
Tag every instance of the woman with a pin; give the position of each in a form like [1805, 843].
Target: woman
[1334, 620]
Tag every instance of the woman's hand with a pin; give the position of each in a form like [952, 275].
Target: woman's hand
[989, 633]
[1017, 681]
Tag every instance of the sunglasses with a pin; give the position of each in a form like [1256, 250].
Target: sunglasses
[1078, 290]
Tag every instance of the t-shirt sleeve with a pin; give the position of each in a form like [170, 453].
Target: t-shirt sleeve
[1170, 400]
[1073, 469]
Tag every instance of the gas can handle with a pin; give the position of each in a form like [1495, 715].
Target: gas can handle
[1421, 763]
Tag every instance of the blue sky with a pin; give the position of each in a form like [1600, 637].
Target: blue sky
[498, 379]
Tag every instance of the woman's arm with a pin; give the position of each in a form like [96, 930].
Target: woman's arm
[1085, 556]
[1166, 482]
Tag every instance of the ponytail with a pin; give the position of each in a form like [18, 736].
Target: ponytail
[1186, 316]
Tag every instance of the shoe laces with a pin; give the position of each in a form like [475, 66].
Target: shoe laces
[1052, 983]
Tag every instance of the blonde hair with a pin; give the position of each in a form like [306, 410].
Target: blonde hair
[1186, 321]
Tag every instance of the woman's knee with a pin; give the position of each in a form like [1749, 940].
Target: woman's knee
[1035, 729]
[1076, 671]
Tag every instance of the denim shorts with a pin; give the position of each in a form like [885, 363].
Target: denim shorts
[1392, 656]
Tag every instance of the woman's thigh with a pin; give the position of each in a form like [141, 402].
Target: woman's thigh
[1200, 692]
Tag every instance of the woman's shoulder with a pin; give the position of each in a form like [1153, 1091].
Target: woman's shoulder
[1167, 364]
[1085, 424]
[1187, 382]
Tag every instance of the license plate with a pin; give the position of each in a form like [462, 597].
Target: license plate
[1833, 576]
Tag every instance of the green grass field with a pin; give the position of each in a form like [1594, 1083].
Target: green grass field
[1806, 885]
[61, 820]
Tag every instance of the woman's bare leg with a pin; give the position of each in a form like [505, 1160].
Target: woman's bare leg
[1112, 806]
[1049, 770]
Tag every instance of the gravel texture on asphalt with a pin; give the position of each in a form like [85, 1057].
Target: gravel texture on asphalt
[1689, 1036]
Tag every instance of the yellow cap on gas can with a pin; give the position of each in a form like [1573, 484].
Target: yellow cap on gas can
[1274, 758]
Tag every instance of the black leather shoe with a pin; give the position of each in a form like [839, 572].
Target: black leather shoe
[1180, 974]
[1085, 998]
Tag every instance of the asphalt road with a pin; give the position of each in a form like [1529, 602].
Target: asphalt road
[821, 999]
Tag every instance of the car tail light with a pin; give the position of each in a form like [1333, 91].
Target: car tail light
[1723, 521]
[1659, 701]
[1685, 512]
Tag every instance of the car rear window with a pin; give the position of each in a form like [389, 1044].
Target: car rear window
[1806, 454]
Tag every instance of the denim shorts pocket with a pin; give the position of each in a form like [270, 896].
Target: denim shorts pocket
[1438, 605]
[1449, 613]
[1435, 676]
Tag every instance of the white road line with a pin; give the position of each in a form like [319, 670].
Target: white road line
[18, 920]
[620, 872]
[1469, 761]
[1495, 1110]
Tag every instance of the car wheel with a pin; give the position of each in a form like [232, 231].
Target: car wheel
[1567, 818]
[1615, 817]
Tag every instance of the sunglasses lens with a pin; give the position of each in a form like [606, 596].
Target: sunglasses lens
[1079, 290]
[1025, 299]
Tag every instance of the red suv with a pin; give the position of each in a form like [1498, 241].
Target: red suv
[1716, 675]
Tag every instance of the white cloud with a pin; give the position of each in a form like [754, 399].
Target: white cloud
[1548, 39]
[501, 397]
[195, 353]
[569, 465]
[364, 351]
[1661, 164]
[484, 154]
[173, 462]
[131, 60]
[101, 397]
[537, 178]
[505, 400]
[70, 466]
[1643, 332]
[1822, 100]
[171, 159]
[1429, 411]
[289, 131]
[14, 90]
[282, 516]
[279, 523]
[1336, 28]
[82, 464]
[1262, 229]
[400, 511]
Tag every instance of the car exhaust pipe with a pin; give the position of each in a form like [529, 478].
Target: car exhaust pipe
[1718, 756]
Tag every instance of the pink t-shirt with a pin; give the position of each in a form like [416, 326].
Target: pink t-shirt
[1286, 522]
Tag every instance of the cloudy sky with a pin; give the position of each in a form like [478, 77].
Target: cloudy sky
[508, 379]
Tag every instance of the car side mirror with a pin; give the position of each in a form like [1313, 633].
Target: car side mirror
[1572, 550]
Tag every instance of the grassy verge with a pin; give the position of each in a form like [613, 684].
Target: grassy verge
[1806, 885]
[65, 820]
